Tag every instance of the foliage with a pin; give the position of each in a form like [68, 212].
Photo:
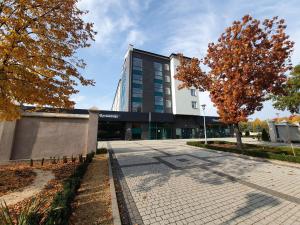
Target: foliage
[290, 99]
[38, 43]
[290, 119]
[278, 153]
[247, 133]
[247, 64]
[61, 207]
[265, 136]
[30, 215]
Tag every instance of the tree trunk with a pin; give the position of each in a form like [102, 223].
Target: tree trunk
[238, 137]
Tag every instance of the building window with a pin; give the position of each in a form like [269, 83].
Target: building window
[159, 108]
[167, 79]
[136, 92]
[168, 104]
[167, 67]
[194, 105]
[157, 66]
[158, 87]
[158, 75]
[158, 81]
[167, 91]
[137, 79]
[136, 107]
[137, 63]
[193, 92]
[136, 99]
[159, 100]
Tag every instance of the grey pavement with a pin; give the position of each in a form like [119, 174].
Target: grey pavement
[169, 182]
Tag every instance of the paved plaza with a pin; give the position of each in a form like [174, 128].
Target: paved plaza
[168, 182]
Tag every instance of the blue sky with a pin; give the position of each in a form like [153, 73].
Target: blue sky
[163, 27]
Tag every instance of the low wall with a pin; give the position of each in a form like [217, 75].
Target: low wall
[45, 135]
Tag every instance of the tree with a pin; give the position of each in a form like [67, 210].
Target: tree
[264, 135]
[38, 43]
[247, 63]
[290, 99]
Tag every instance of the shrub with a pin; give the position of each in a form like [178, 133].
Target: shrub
[247, 133]
[101, 151]
[251, 150]
[264, 135]
[32, 214]
[61, 206]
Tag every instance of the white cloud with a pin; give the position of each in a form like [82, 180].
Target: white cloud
[78, 98]
[135, 37]
[113, 18]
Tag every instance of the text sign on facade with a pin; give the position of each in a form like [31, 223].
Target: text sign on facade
[112, 116]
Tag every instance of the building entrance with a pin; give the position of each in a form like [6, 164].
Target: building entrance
[111, 130]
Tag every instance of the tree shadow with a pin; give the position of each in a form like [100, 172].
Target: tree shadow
[254, 201]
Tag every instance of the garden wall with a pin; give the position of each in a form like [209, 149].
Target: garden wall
[43, 135]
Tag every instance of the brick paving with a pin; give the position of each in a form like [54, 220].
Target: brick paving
[167, 182]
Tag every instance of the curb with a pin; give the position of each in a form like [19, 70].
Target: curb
[114, 202]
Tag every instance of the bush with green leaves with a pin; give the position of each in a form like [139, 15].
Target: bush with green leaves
[32, 214]
[101, 151]
[61, 210]
[264, 135]
[269, 152]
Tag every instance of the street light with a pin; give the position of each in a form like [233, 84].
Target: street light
[203, 107]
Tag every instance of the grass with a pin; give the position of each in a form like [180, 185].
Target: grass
[282, 153]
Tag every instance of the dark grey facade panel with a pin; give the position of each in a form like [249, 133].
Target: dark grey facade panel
[148, 79]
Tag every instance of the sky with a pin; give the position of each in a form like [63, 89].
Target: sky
[165, 27]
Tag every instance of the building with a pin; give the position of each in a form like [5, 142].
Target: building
[149, 105]
[284, 132]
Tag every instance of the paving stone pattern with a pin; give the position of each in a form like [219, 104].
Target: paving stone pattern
[165, 182]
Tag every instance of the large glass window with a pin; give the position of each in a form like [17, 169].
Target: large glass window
[137, 92]
[167, 91]
[159, 100]
[137, 79]
[158, 75]
[157, 66]
[159, 108]
[167, 79]
[137, 62]
[168, 104]
[167, 67]
[136, 106]
[158, 87]
[137, 84]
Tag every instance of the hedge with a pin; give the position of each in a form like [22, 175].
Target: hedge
[265, 151]
[61, 210]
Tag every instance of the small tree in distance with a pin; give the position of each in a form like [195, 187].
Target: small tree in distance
[247, 64]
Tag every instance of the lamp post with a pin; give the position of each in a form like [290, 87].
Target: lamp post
[203, 107]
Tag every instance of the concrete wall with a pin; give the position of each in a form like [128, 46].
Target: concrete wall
[44, 135]
[182, 99]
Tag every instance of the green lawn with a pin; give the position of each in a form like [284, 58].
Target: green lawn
[269, 152]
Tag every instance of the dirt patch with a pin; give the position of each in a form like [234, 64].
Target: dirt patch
[29, 191]
[92, 205]
[61, 172]
[15, 179]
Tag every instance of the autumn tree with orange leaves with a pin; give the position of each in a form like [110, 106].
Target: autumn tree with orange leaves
[248, 63]
[38, 43]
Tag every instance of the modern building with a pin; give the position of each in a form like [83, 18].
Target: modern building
[149, 105]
